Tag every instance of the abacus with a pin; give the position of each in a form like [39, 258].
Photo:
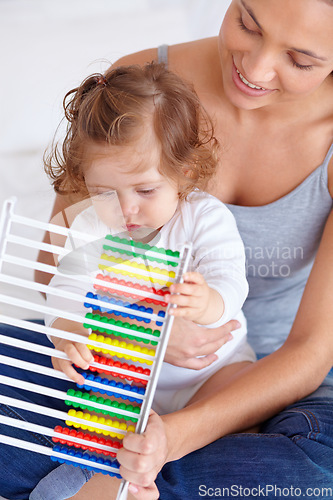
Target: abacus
[127, 335]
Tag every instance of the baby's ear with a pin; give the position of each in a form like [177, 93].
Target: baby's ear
[187, 171]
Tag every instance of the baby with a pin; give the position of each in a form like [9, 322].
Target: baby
[140, 132]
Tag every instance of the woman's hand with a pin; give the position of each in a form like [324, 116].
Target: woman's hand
[143, 456]
[188, 341]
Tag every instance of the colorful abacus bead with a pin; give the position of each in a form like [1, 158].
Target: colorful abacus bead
[94, 440]
[68, 453]
[129, 284]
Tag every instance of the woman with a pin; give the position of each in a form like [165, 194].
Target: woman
[266, 80]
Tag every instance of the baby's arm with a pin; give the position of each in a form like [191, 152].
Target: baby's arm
[78, 353]
[195, 300]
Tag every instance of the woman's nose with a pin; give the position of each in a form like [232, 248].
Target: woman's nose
[259, 67]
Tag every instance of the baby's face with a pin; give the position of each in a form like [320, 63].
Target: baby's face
[148, 200]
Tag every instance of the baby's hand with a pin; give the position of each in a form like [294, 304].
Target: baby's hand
[192, 299]
[78, 353]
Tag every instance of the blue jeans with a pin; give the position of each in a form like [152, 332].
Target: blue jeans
[291, 457]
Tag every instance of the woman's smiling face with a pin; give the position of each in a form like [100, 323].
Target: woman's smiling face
[275, 50]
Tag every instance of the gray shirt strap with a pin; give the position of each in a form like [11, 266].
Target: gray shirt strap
[162, 54]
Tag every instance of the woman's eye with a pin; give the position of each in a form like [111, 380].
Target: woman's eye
[245, 28]
[305, 67]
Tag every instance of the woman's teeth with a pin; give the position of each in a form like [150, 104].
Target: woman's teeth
[244, 80]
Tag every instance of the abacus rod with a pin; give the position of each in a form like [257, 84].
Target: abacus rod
[54, 228]
[143, 252]
[63, 396]
[128, 269]
[47, 431]
[5, 221]
[30, 346]
[49, 351]
[51, 228]
[52, 372]
[46, 268]
[45, 450]
[39, 245]
[57, 414]
[72, 336]
[13, 280]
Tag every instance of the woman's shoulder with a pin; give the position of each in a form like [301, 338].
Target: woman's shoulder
[186, 58]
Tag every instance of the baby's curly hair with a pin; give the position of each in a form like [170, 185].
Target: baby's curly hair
[113, 108]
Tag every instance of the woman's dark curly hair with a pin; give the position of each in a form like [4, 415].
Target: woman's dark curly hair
[113, 109]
